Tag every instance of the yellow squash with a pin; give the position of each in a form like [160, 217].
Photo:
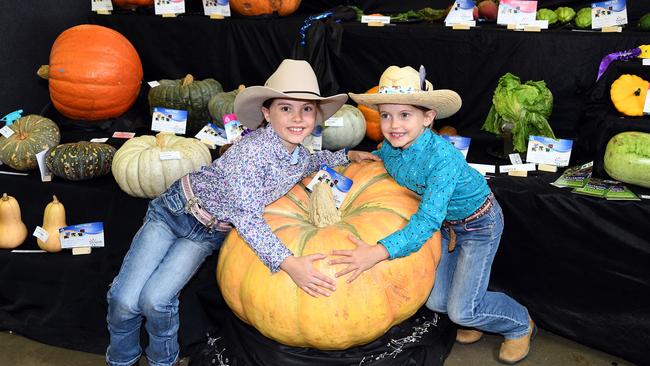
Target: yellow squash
[53, 219]
[13, 231]
[628, 94]
[356, 313]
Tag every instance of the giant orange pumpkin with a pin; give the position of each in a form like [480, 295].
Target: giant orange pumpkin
[263, 7]
[94, 73]
[373, 127]
[356, 313]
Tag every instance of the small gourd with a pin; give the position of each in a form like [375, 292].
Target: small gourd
[628, 94]
[13, 231]
[53, 219]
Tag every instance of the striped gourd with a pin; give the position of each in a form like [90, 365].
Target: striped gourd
[80, 160]
[32, 134]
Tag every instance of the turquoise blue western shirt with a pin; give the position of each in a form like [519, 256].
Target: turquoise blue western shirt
[449, 188]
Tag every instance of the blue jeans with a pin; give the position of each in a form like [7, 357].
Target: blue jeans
[165, 253]
[462, 277]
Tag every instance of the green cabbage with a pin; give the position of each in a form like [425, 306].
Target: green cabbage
[527, 106]
[583, 18]
[547, 14]
[565, 14]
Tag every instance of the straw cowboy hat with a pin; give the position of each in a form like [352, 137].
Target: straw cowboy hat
[403, 85]
[294, 79]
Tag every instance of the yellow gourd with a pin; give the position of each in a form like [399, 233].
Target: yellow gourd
[13, 231]
[628, 94]
[53, 219]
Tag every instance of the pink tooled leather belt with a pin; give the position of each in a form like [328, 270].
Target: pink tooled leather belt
[478, 213]
[193, 206]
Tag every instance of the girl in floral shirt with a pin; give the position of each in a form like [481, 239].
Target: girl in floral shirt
[192, 217]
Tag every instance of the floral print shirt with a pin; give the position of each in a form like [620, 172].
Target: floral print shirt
[253, 173]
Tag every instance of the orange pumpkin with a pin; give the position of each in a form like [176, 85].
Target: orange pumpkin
[373, 127]
[94, 73]
[262, 7]
[356, 313]
[132, 4]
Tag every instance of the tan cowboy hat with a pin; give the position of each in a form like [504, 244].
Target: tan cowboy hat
[294, 79]
[403, 85]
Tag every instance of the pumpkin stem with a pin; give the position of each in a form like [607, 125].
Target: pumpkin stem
[187, 80]
[240, 88]
[4, 197]
[44, 72]
[322, 210]
[637, 92]
[160, 140]
[54, 199]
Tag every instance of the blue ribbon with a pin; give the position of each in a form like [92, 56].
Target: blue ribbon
[621, 55]
[308, 23]
[11, 117]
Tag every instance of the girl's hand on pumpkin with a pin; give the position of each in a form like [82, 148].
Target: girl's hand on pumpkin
[302, 272]
[359, 156]
[364, 257]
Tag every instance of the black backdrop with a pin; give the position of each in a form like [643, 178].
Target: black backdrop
[581, 270]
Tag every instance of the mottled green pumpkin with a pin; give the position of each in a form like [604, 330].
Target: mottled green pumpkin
[32, 134]
[186, 94]
[80, 160]
[222, 104]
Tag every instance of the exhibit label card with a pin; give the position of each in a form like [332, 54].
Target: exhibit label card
[461, 143]
[339, 183]
[212, 135]
[169, 7]
[216, 7]
[82, 235]
[462, 11]
[608, 14]
[546, 150]
[168, 120]
[101, 5]
[375, 19]
[516, 12]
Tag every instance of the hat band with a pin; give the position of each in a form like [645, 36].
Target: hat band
[300, 92]
[398, 90]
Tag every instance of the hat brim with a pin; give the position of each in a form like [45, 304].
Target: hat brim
[248, 104]
[444, 101]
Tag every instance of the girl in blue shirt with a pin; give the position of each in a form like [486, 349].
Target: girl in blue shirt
[454, 195]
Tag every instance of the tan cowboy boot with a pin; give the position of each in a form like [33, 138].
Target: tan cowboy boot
[468, 336]
[515, 350]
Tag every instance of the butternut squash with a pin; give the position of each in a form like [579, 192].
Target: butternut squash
[53, 219]
[13, 231]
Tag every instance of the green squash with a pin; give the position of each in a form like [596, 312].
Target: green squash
[627, 158]
[32, 134]
[186, 94]
[80, 160]
[350, 134]
[222, 104]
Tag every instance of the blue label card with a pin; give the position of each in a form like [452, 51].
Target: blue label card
[169, 7]
[462, 11]
[212, 135]
[82, 235]
[459, 142]
[216, 7]
[608, 14]
[550, 151]
[516, 12]
[169, 120]
[314, 142]
[339, 183]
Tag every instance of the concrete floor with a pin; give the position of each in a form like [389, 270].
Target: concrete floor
[547, 349]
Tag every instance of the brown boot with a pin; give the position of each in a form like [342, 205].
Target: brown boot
[515, 350]
[468, 336]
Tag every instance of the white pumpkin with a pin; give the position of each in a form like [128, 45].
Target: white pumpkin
[350, 134]
[140, 172]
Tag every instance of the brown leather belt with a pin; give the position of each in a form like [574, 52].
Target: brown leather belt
[478, 213]
[193, 207]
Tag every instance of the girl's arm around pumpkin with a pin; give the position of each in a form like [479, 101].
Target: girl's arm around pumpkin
[332, 159]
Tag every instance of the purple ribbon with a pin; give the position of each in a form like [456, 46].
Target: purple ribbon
[621, 55]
